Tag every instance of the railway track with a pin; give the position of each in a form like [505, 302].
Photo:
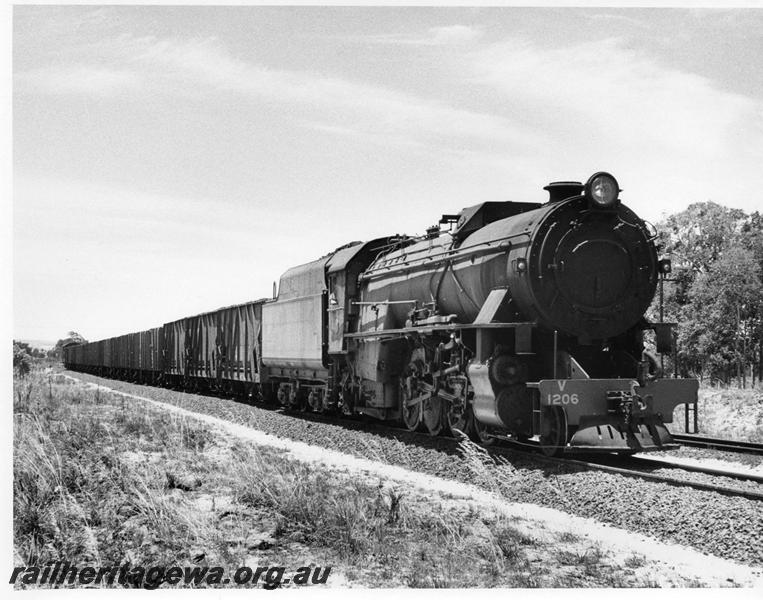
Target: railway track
[719, 444]
[662, 463]
[641, 467]
[644, 465]
[636, 467]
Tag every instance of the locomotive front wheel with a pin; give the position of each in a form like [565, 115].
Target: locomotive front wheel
[553, 434]
[478, 432]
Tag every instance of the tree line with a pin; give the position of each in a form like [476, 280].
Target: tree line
[716, 291]
[24, 354]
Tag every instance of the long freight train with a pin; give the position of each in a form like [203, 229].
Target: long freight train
[507, 319]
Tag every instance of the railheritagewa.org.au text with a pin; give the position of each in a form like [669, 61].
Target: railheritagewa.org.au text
[65, 574]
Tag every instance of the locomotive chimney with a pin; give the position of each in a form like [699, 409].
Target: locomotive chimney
[560, 190]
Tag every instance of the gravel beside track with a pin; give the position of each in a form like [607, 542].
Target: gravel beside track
[725, 526]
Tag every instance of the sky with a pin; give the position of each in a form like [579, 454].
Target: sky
[171, 160]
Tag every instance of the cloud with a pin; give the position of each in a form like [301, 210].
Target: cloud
[671, 137]
[618, 18]
[196, 66]
[372, 108]
[448, 35]
[454, 34]
[78, 79]
[618, 94]
[364, 135]
[97, 244]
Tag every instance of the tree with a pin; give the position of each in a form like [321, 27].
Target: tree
[752, 238]
[33, 352]
[695, 238]
[71, 338]
[717, 255]
[22, 361]
[720, 322]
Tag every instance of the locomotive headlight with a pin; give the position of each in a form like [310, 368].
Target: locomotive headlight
[601, 189]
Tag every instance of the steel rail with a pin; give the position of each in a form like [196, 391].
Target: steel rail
[718, 443]
[661, 463]
[720, 489]
[588, 464]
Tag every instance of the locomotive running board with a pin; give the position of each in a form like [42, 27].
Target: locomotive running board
[432, 328]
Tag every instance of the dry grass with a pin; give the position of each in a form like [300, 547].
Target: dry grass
[77, 498]
[730, 413]
[380, 529]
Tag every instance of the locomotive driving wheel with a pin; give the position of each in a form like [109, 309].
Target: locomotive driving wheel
[457, 411]
[433, 412]
[410, 405]
[553, 431]
[411, 402]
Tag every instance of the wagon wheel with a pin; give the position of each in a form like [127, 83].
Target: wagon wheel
[553, 431]
[314, 401]
[282, 396]
[298, 400]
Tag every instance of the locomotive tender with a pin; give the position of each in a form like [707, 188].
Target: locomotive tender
[508, 319]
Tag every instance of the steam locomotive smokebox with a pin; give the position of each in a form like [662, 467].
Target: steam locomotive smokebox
[589, 273]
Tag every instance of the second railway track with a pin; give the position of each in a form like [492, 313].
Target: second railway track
[699, 441]
[642, 467]
[645, 463]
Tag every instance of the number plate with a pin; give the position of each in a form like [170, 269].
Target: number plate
[579, 397]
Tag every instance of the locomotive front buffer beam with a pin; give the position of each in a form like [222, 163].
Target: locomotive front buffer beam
[583, 415]
[615, 415]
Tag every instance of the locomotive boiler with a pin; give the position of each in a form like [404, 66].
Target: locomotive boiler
[507, 320]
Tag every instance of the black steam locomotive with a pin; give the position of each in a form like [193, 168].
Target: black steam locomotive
[508, 319]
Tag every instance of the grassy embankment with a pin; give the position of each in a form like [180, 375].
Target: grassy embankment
[100, 480]
[729, 413]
